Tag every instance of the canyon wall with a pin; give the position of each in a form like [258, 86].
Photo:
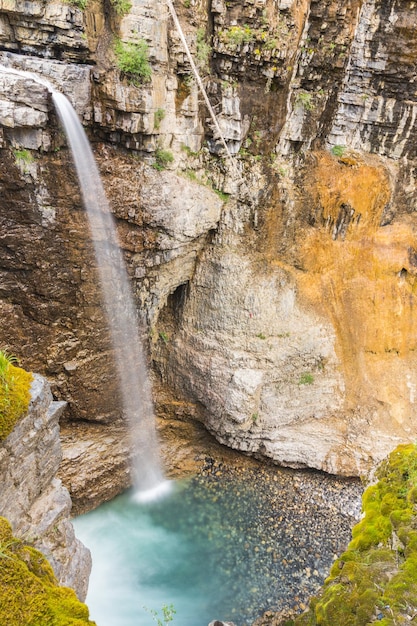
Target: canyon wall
[33, 498]
[277, 289]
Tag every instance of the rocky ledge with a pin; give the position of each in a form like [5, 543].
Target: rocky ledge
[33, 499]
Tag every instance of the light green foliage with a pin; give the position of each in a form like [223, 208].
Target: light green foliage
[191, 175]
[269, 38]
[167, 616]
[14, 393]
[121, 7]
[158, 116]
[261, 336]
[164, 336]
[132, 60]
[81, 4]
[224, 197]
[24, 156]
[271, 44]
[375, 580]
[203, 51]
[338, 151]
[237, 35]
[306, 379]
[305, 100]
[162, 159]
[29, 593]
[188, 150]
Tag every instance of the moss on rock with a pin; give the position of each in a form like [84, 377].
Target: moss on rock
[14, 393]
[29, 593]
[375, 580]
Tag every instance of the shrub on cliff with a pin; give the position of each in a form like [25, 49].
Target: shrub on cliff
[14, 393]
[29, 593]
[121, 7]
[132, 60]
[375, 580]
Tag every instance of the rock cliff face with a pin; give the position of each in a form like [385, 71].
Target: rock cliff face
[33, 499]
[281, 311]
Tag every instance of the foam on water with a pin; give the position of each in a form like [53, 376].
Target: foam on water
[154, 494]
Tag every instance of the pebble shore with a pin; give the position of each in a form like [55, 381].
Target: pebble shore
[298, 523]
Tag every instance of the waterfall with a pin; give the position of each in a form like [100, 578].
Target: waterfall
[130, 363]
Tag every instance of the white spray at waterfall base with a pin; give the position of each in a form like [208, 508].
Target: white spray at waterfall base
[120, 309]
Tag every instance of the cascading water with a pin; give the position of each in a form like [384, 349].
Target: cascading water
[130, 362]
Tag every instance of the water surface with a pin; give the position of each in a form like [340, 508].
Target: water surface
[226, 546]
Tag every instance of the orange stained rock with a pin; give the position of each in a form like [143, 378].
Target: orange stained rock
[363, 277]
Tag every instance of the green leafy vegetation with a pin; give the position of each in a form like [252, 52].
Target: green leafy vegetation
[375, 580]
[203, 51]
[166, 617]
[80, 4]
[305, 100]
[163, 335]
[14, 393]
[121, 7]
[191, 175]
[188, 150]
[23, 156]
[261, 336]
[306, 379]
[29, 592]
[267, 38]
[338, 151]
[224, 197]
[132, 60]
[162, 159]
[237, 35]
[158, 116]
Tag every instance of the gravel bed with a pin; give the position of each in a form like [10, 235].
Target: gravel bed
[283, 528]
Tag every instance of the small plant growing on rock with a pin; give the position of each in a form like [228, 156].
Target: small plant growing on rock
[338, 151]
[203, 50]
[224, 197]
[305, 100]
[306, 379]
[235, 36]
[23, 156]
[80, 4]
[132, 60]
[164, 337]
[121, 7]
[162, 159]
[158, 116]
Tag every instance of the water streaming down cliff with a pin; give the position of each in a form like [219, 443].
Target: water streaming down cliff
[120, 309]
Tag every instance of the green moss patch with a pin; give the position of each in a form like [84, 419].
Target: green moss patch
[375, 580]
[14, 393]
[29, 593]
